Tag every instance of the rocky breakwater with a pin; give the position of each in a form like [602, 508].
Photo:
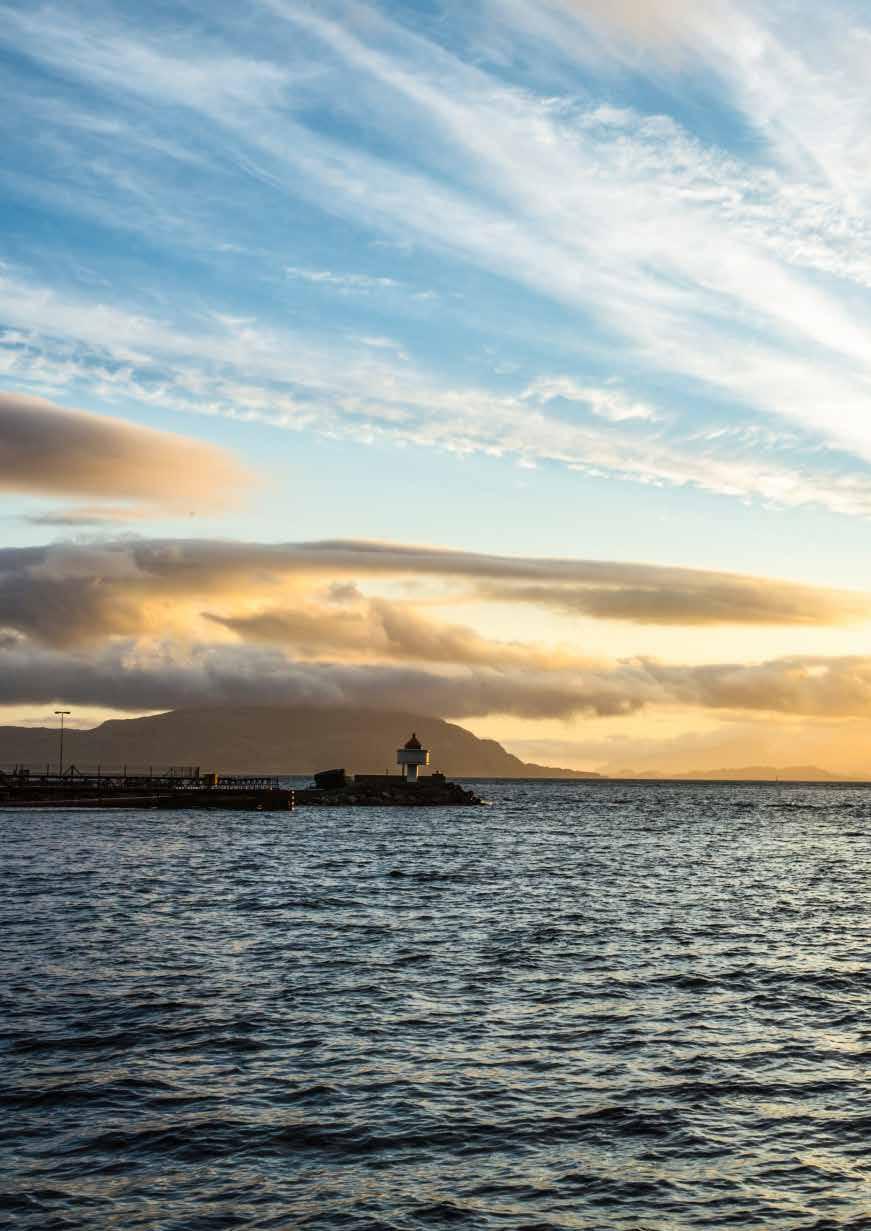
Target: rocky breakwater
[385, 792]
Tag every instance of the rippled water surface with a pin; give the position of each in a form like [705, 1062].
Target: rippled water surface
[585, 1006]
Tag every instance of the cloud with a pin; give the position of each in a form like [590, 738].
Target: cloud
[611, 404]
[343, 592]
[133, 677]
[122, 624]
[291, 382]
[667, 256]
[343, 281]
[671, 269]
[810, 686]
[86, 515]
[647, 20]
[47, 449]
[72, 594]
[378, 629]
[128, 677]
[689, 600]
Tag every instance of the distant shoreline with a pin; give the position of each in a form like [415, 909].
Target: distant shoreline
[684, 781]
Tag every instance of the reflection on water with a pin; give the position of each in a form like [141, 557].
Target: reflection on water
[587, 1006]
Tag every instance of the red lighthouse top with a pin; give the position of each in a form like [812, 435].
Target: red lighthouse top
[414, 742]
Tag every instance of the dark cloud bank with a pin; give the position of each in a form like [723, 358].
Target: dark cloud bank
[85, 624]
[125, 677]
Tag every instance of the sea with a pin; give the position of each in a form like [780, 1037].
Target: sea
[585, 1006]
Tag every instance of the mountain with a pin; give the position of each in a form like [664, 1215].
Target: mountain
[768, 773]
[271, 740]
[744, 773]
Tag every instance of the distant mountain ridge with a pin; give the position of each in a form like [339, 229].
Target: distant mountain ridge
[771, 773]
[272, 740]
[747, 773]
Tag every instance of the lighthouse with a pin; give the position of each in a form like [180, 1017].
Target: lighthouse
[411, 757]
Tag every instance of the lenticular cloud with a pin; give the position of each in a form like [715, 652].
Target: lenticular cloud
[47, 449]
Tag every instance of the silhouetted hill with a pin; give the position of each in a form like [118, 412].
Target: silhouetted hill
[297, 739]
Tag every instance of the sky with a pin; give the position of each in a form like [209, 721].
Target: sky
[507, 360]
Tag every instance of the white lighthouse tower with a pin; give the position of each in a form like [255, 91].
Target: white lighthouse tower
[411, 757]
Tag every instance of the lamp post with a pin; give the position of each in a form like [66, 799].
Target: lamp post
[61, 714]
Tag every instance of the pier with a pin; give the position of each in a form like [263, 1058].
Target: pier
[187, 786]
[130, 786]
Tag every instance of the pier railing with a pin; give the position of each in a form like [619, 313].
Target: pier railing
[124, 777]
[129, 786]
[49, 769]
